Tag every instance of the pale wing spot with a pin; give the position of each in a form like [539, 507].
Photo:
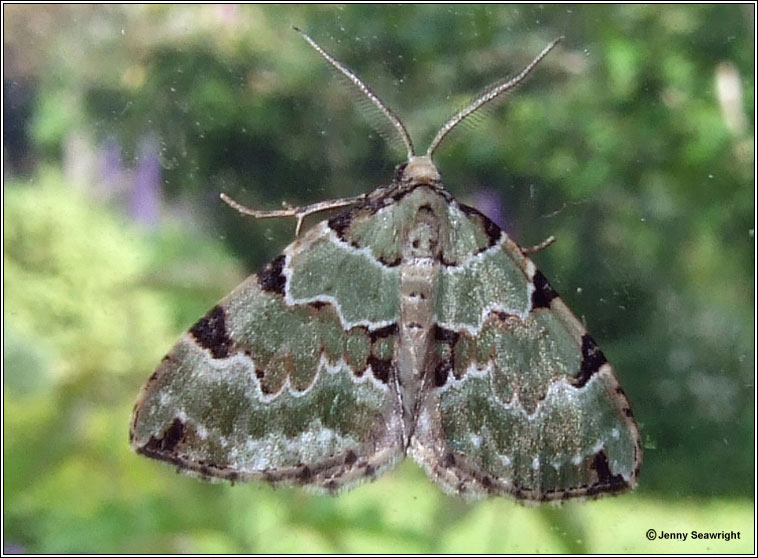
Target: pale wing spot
[201, 431]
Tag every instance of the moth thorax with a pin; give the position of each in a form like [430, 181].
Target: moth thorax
[421, 169]
[423, 236]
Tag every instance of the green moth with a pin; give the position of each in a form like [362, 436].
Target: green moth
[407, 325]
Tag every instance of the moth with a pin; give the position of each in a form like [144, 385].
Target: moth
[409, 324]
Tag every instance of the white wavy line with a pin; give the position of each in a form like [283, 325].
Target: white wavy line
[486, 311]
[346, 324]
[471, 372]
[555, 389]
[247, 363]
[473, 258]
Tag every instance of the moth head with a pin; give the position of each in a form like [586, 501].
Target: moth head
[388, 125]
[420, 168]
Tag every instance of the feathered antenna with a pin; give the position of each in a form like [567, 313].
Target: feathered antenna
[491, 93]
[387, 124]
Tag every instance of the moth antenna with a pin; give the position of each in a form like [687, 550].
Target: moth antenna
[492, 92]
[396, 128]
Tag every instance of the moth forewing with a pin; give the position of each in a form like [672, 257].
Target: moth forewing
[408, 324]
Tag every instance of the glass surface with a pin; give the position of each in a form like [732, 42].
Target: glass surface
[632, 143]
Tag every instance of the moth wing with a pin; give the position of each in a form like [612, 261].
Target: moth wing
[520, 400]
[286, 379]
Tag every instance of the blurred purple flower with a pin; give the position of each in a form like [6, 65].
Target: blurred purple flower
[112, 170]
[145, 197]
[490, 202]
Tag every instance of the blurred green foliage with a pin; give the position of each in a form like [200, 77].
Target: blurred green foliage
[632, 143]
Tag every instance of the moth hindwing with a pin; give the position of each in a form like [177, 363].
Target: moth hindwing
[408, 324]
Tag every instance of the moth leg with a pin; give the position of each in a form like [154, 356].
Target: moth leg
[299, 213]
[538, 247]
